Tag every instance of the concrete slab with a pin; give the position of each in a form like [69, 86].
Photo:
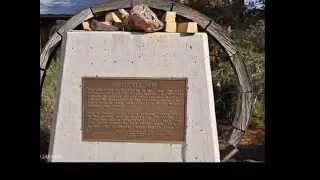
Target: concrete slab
[125, 54]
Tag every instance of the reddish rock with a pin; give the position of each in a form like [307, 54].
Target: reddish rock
[143, 18]
[101, 26]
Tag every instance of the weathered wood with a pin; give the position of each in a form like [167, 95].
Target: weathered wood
[48, 49]
[191, 14]
[235, 137]
[244, 103]
[241, 71]
[242, 117]
[122, 4]
[112, 5]
[75, 21]
[222, 37]
[164, 5]
[45, 54]
[243, 111]
[45, 28]
[41, 77]
[230, 155]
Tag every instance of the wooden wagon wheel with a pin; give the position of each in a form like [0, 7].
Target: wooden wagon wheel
[242, 115]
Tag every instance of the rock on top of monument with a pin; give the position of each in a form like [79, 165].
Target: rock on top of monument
[144, 19]
[100, 26]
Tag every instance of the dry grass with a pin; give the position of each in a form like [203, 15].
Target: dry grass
[49, 94]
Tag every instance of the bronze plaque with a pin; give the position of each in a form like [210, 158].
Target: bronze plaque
[134, 109]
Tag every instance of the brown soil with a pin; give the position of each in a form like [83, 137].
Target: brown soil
[251, 146]
[253, 136]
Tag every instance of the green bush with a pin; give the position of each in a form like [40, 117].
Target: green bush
[250, 42]
[257, 117]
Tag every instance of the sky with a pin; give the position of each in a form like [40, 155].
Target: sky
[254, 4]
[70, 7]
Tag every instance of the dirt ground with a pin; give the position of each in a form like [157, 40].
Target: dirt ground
[253, 136]
[252, 146]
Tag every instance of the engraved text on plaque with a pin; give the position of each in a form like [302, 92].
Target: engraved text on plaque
[134, 109]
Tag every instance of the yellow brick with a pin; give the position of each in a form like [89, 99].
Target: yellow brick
[169, 16]
[86, 26]
[170, 27]
[187, 27]
[112, 17]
